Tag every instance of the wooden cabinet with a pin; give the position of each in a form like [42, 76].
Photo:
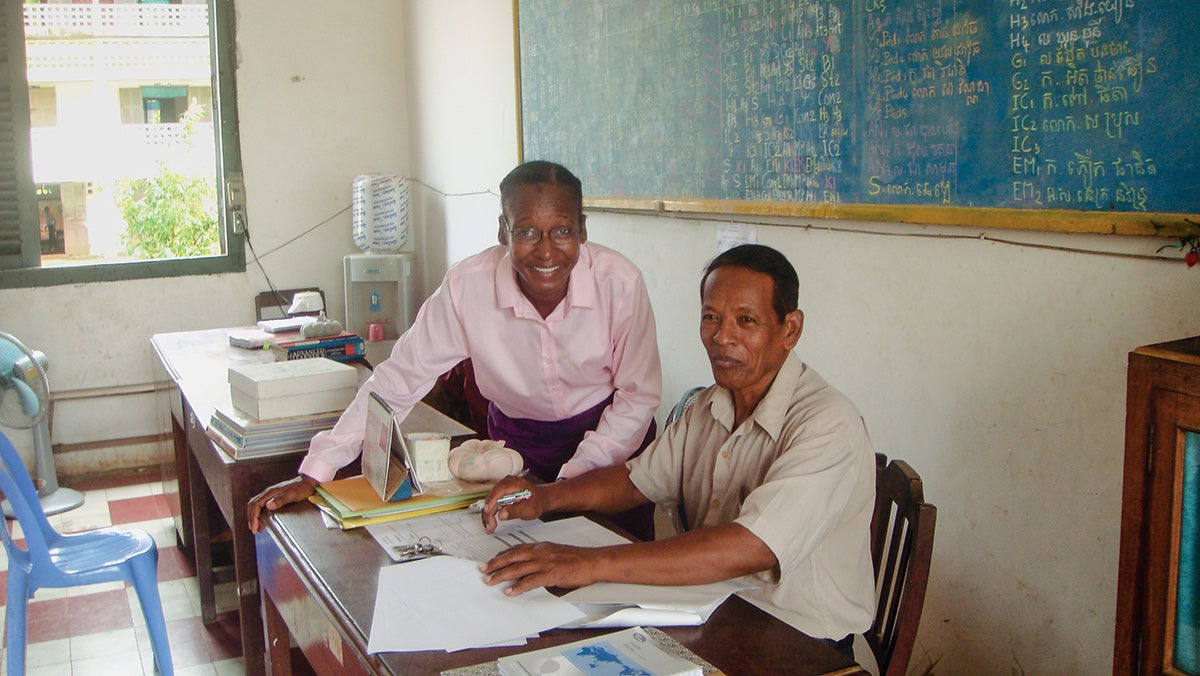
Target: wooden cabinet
[1158, 585]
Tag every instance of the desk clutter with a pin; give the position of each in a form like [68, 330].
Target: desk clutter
[277, 407]
[433, 589]
[292, 345]
[353, 503]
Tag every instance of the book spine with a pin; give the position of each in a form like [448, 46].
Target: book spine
[232, 434]
[342, 352]
[225, 443]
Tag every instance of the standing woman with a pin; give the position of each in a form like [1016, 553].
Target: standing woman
[559, 331]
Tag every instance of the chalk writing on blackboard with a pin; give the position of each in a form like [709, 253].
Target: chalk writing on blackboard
[1072, 111]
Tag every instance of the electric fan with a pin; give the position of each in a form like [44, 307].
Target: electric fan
[25, 402]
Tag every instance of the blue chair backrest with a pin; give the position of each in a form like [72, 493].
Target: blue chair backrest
[23, 500]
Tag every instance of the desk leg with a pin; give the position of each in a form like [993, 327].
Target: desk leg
[183, 490]
[201, 541]
[279, 654]
[249, 604]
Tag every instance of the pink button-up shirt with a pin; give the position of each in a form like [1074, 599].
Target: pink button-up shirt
[599, 341]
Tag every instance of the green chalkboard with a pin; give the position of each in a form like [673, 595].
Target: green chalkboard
[1076, 115]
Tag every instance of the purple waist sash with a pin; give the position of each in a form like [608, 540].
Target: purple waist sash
[547, 444]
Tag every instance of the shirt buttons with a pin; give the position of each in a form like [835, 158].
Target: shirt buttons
[716, 502]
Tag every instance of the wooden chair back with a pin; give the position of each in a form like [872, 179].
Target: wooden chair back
[901, 550]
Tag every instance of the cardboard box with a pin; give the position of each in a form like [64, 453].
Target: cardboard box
[292, 388]
[284, 378]
[305, 403]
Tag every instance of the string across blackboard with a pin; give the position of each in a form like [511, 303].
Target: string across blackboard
[1042, 114]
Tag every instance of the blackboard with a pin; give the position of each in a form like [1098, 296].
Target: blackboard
[1079, 115]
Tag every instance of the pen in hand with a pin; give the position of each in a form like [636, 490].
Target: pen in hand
[503, 500]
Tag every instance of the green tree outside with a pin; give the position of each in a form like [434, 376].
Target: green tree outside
[173, 214]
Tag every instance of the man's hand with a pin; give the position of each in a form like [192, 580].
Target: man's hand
[543, 564]
[282, 493]
[530, 508]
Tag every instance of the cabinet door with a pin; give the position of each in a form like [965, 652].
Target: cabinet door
[1170, 643]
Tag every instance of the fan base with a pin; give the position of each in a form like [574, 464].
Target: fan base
[57, 501]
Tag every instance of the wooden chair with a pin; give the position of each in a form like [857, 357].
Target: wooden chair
[901, 549]
[274, 304]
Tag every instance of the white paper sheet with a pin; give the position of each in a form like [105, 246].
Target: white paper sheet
[461, 534]
[610, 604]
[441, 603]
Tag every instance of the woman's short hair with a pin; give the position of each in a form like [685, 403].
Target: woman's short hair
[537, 172]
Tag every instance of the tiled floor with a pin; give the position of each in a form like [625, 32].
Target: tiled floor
[99, 629]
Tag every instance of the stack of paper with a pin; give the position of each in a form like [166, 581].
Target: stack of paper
[352, 502]
[242, 436]
[442, 603]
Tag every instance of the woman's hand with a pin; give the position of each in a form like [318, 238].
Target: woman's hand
[274, 497]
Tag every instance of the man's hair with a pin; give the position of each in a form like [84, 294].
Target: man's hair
[764, 259]
[537, 172]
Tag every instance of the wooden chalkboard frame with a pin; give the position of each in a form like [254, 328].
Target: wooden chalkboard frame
[1155, 224]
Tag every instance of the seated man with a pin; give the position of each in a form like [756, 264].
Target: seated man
[772, 466]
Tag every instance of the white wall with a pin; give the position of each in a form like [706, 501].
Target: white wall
[321, 98]
[997, 371]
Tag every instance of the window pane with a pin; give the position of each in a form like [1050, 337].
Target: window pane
[125, 192]
[125, 141]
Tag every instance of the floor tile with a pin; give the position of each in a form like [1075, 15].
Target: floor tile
[103, 644]
[132, 510]
[98, 612]
[48, 653]
[173, 564]
[46, 620]
[117, 493]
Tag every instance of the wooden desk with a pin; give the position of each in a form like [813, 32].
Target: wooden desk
[211, 482]
[318, 587]
[198, 362]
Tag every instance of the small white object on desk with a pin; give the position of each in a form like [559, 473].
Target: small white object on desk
[430, 454]
[484, 460]
[285, 324]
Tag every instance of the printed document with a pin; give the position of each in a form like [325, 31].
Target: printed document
[441, 603]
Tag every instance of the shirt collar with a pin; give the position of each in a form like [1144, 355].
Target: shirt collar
[582, 289]
[772, 410]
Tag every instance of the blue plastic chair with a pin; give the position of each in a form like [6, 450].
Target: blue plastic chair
[51, 559]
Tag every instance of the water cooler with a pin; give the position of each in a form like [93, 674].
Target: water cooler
[381, 299]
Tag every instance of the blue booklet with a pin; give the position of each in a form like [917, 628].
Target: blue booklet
[630, 652]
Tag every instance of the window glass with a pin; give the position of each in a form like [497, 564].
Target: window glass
[127, 151]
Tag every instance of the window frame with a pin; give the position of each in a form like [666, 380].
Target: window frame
[222, 50]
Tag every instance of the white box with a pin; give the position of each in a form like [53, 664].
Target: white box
[286, 378]
[305, 403]
[430, 453]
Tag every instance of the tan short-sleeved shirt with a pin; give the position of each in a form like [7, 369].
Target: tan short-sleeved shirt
[799, 474]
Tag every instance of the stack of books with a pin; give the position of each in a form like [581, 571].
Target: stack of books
[277, 407]
[290, 346]
[352, 503]
[244, 437]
